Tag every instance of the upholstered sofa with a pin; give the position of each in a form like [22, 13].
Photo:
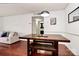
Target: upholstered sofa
[12, 37]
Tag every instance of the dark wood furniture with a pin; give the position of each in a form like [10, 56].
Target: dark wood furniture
[42, 45]
[47, 37]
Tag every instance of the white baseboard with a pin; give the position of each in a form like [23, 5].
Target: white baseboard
[72, 50]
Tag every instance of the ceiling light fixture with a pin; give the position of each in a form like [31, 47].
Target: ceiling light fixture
[44, 13]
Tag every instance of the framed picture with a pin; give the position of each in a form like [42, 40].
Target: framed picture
[73, 16]
[53, 21]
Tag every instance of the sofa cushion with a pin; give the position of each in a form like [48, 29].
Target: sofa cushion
[5, 34]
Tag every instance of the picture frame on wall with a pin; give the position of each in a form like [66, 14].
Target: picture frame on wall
[73, 16]
[53, 21]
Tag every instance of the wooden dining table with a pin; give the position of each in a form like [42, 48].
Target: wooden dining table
[46, 37]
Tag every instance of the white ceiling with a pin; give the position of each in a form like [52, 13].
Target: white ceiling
[22, 8]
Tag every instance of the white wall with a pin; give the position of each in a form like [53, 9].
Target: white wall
[1, 24]
[60, 22]
[22, 23]
[18, 23]
[72, 27]
[72, 30]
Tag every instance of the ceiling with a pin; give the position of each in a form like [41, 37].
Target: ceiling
[7, 9]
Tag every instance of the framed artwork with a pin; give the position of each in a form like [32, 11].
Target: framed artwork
[53, 21]
[73, 16]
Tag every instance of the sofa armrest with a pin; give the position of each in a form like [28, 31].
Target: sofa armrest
[13, 34]
[13, 37]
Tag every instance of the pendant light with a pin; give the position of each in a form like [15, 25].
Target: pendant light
[44, 13]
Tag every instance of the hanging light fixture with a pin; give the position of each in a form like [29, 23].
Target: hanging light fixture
[44, 13]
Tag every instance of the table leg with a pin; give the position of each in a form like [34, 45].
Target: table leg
[56, 47]
[34, 50]
[28, 47]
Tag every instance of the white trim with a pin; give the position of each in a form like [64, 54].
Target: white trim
[72, 50]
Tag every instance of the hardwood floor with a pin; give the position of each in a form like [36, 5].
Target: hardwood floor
[16, 49]
[19, 49]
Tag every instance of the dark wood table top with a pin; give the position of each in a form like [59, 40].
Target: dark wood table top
[49, 37]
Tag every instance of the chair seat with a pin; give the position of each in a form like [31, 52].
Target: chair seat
[42, 47]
